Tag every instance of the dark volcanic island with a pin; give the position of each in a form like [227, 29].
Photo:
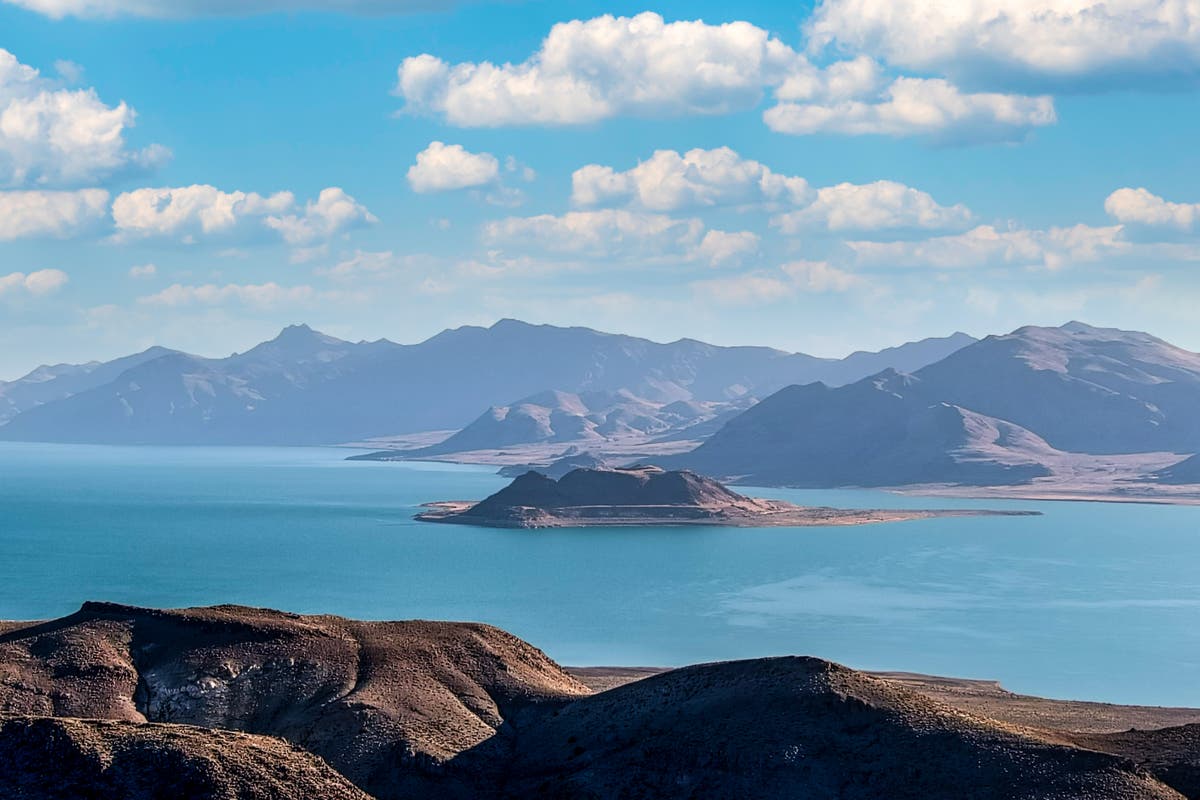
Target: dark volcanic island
[647, 495]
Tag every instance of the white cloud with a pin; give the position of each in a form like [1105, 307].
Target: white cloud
[442, 167]
[930, 107]
[53, 136]
[762, 286]
[334, 212]
[878, 206]
[603, 233]
[587, 71]
[591, 70]
[993, 40]
[143, 271]
[985, 246]
[265, 295]
[722, 247]
[755, 288]
[191, 211]
[1141, 207]
[166, 9]
[37, 283]
[819, 276]
[669, 181]
[46, 213]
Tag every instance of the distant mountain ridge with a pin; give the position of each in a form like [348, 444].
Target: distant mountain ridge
[995, 412]
[304, 387]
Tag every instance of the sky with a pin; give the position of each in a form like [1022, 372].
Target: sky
[826, 177]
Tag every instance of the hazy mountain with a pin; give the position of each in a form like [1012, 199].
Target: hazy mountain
[1083, 389]
[1185, 472]
[48, 383]
[994, 412]
[307, 388]
[881, 431]
[567, 417]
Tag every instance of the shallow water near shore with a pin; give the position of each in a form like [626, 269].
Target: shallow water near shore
[1089, 601]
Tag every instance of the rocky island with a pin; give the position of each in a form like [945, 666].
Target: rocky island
[648, 495]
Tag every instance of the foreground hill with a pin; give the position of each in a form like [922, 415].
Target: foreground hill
[307, 388]
[385, 703]
[1005, 410]
[417, 710]
[65, 759]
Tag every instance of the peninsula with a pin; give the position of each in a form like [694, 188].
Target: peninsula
[648, 495]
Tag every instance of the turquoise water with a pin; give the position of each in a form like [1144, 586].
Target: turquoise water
[1095, 601]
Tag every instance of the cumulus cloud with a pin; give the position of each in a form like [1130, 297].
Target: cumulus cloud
[188, 212]
[442, 167]
[210, 8]
[586, 71]
[1142, 207]
[722, 247]
[47, 213]
[669, 181]
[1056, 42]
[143, 271]
[264, 295]
[930, 107]
[591, 70]
[986, 246]
[37, 283]
[332, 213]
[878, 206]
[52, 136]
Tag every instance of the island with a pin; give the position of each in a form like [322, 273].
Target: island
[650, 495]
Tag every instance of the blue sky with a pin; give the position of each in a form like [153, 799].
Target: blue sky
[834, 179]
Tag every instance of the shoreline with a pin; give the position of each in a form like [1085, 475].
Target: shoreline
[774, 514]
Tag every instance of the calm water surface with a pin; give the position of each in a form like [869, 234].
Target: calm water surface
[1097, 601]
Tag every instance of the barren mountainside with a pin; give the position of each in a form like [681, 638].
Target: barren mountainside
[229, 701]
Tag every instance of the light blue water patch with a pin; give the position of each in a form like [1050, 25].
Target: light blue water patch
[1091, 600]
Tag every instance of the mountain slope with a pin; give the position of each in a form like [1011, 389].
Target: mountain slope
[1083, 389]
[801, 727]
[306, 388]
[457, 710]
[49, 383]
[882, 431]
[64, 759]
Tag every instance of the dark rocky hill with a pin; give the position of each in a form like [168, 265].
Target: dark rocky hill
[64, 759]
[450, 710]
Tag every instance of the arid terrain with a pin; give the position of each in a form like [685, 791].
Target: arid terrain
[234, 702]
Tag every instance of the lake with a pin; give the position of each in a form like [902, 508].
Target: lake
[1091, 600]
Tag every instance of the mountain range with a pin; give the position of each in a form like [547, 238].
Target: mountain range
[304, 387]
[998, 411]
